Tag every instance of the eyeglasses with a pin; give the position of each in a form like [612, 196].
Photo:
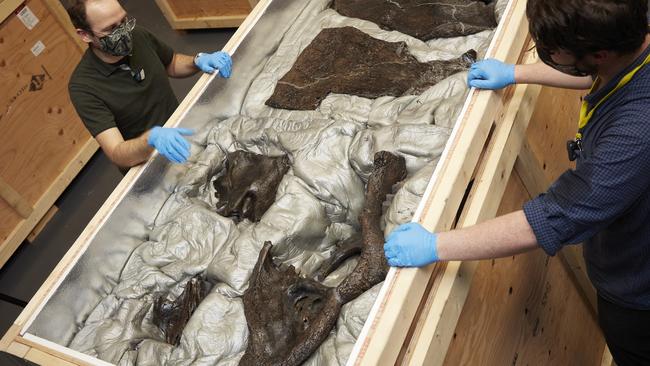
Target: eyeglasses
[545, 55]
[127, 25]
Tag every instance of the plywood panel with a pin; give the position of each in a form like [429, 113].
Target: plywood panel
[554, 122]
[192, 14]
[41, 130]
[207, 8]
[524, 310]
[44, 144]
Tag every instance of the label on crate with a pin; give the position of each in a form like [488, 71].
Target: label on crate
[28, 17]
[38, 48]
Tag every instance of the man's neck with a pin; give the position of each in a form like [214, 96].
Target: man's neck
[607, 72]
[108, 58]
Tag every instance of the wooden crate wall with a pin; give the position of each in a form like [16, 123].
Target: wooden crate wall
[526, 309]
[44, 144]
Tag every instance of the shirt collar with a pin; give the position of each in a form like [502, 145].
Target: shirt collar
[104, 68]
[594, 97]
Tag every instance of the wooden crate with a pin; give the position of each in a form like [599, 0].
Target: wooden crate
[448, 312]
[193, 14]
[527, 309]
[44, 143]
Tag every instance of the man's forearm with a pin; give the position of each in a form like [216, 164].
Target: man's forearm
[132, 152]
[181, 66]
[540, 73]
[500, 237]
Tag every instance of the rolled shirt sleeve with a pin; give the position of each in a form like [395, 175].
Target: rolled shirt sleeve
[606, 182]
[94, 113]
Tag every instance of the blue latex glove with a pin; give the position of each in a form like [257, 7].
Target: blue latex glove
[411, 245]
[170, 142]
[208, 62]
[491, 74]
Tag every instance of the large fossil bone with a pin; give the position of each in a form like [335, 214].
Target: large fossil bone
[423, 19]
[247, 185]
[171, 316]
[348, 61]
[289, 316]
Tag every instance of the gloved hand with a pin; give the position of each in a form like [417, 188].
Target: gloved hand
[170, 142]
[491, 74]
[411, 245]
[208, 62]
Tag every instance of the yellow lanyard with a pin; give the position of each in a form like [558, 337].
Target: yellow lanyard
[585, 115]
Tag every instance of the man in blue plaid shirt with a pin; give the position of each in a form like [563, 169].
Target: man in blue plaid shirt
[605, 201]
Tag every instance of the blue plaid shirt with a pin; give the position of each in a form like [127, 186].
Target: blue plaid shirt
[605, 201]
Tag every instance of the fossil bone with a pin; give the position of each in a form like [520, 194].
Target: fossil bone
[247, 185]
[289, 316]
[171, 316]
[348, 61]
[421, 18]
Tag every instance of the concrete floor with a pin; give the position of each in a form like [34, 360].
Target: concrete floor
[23, 274]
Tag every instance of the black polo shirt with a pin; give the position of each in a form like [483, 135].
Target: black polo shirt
[108, 95]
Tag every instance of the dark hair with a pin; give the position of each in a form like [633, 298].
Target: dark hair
[77, 12]
[585, 26]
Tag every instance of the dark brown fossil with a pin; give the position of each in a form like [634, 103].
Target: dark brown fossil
[172, 316]
[421, 18]
[246, 186]
[289, 316]
[348, 61]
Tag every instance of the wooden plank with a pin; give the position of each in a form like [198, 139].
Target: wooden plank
[194, 14]
[436, 323]
[18, 349]
[15, 200]
[42, 223]
[50, 350]
[206, 8]
[43, 358]
[229, 21]
[7, 7]
[522, 310]
[9, 337]
[399, 299]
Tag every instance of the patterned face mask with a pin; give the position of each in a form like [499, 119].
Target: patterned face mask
[120, 41]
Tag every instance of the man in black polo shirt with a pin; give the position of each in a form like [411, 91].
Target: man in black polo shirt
[121, 89]
[603, 202]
